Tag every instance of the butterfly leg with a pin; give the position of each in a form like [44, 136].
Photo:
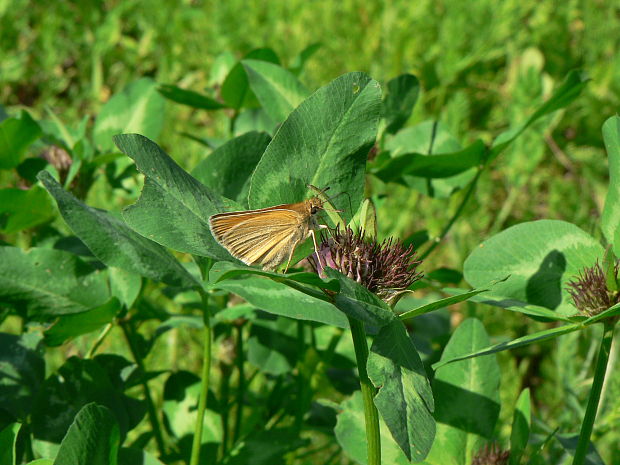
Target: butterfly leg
[316, 248]
[290, 256]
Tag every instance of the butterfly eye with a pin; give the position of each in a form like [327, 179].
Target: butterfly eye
[313, 210]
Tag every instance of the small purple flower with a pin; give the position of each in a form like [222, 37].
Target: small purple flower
[589, 291]
[386, 268]
[491, 455]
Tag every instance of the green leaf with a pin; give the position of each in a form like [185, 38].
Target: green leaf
[441, 303]
[93, 438]
[278, 90]
[518, 306]
[138, 108]
[431, 166]
[189, 98]
[323, 142]
[114, 243]
[610, 312]
[266, 447]
[226, 270]
[350, 432]
[273, 344]
[610, 222]
[227, 170]
[70, 326]
[400, 97]
[23, 209]
[281, 299]
[568, 91]
[515, 343]
[521, 427]
[466, 398]
[174, 208]
[131, 456]
[235, 90]
[125, 286]
[540, 257]
[46, 282]
[8, 439]
[16, 135]
[41, 462]
[22, 371]
[358, 302]
[569, 443]
[404, 396]
[77, 383]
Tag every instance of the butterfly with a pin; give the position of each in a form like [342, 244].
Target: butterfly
[269, 236]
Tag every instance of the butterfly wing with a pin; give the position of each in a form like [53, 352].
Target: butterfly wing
[264, 237]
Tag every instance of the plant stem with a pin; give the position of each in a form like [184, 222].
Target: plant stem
[100, 338]
[204, 387]
[457, 213]
[301, 379]
[371, 416]
[595, 393]
[155, 426]
[240, 384]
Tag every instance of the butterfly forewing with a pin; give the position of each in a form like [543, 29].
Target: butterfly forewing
[266, 237]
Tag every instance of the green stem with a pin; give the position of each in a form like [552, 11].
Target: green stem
[595, 394]
[204, 388]
[100, 338]
[240, 384]
[371, 416]
[457, 213]
[155, 426]
[224, 406]
[301, 379]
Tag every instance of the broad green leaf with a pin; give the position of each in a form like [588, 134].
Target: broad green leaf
[125, 286]
[431, 166]
[22, 371]
[281, 299]
[540, 257]
[358, 302]
[77, 383]
[93, 438]
[8, 438]
[70, 326]
[137, 108]
[23, 209]
[350, 432]
[189, 97]
[226, 270]
[113, 242]
[278, 90]
[521, 427]
[404, 398]
[610, 222]
[41, 462]
[227, 170]
[401, 95]
[323, 142]
[235, 90]
[297, 64]
[367, 219]
[273, 344]
[222, 64]
[466, 398]
[441, 303]
[568, 91]
[515, 343]
[47, 282]
[16, 135]
[174, 208]
[428, 137]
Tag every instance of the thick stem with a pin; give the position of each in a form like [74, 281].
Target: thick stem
[371, 416]
[154, 420]
[595, 393]
[204, 387]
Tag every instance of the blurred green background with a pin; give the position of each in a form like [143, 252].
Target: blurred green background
[483, 66]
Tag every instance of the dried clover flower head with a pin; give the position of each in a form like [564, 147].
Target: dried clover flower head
[491, 455]
[589, 291]
[386, 268]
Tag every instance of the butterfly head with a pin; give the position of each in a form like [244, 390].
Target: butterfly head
[314, 205]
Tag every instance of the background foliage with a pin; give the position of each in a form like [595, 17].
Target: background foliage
[482, 68]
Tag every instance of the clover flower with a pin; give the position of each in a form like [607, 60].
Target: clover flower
[386, 269]
[491, 455]
[589, 291]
